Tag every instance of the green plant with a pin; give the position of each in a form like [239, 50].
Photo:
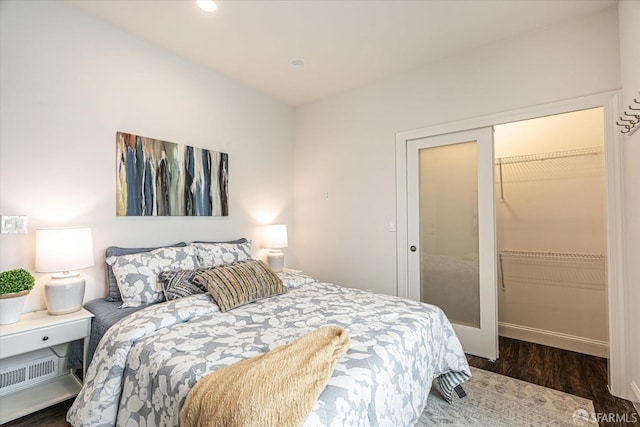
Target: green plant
[16, 280]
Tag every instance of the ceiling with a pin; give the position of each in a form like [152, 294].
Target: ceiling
[344, 43]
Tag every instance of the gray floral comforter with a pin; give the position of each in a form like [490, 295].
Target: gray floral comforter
[146, 363]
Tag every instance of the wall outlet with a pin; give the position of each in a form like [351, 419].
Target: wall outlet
[13, 224]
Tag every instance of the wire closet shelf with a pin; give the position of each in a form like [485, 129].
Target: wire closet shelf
[563, 268]
[549, 156]
[539, 157]
[563, 257]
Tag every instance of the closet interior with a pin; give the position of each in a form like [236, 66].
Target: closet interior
[551, 237]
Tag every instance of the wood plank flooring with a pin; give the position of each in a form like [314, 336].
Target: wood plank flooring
[574, 373]
[567, 371]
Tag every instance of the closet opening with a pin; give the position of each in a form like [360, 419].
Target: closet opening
[551, 233]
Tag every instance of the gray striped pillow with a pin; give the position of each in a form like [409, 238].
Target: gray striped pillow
[179, 283]
[241, 283]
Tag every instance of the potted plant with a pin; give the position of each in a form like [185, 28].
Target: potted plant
[15, 285]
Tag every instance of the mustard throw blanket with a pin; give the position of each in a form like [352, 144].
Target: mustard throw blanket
[278, 388]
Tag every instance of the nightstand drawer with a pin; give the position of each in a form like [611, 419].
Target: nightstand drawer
[23, 342]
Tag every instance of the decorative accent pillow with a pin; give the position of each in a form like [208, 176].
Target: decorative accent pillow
[293, 280]
[179, 283]
[136, 273]
[217, 254]
[241, 283]
[113, 292]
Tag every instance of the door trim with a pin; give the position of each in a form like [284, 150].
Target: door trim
[616, 303]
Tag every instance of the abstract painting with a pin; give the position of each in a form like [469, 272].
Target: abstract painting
[160, 178]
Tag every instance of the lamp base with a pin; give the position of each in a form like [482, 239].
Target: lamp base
[275, 260]
[64, 294]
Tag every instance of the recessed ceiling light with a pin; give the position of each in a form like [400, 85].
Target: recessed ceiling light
[296, 62]
[207, 5]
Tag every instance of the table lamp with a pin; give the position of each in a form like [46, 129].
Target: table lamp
[274, 239]
[61, 251]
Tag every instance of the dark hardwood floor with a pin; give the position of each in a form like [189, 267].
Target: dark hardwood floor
[574, 373]
[567, 371]
[53, 416]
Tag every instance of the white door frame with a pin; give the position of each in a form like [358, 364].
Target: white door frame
[610, 102]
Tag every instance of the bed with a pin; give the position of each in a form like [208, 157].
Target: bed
[146, 363]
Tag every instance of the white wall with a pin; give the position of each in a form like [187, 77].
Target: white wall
[629, 16]
[69, 82]
[344, 161]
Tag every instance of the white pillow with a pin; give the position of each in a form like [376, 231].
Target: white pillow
[136, 274]
[217, 254]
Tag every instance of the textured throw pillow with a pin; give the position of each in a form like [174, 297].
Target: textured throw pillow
[217, 254]
[113, 292]
[179, 283]
[137, 273]
[240, 283]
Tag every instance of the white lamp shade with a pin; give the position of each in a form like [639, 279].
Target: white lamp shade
[63, 249]
[275, 236]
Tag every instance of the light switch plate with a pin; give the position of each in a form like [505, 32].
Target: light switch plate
[13, 224]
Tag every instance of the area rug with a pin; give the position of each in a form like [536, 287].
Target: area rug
[496, 400]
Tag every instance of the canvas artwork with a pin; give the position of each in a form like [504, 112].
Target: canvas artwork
[160, 178]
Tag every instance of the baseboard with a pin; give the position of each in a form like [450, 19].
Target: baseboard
[555, 339]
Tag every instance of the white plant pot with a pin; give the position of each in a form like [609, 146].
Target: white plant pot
[11, 307]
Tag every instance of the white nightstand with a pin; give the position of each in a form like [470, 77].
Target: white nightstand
[33, 355]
